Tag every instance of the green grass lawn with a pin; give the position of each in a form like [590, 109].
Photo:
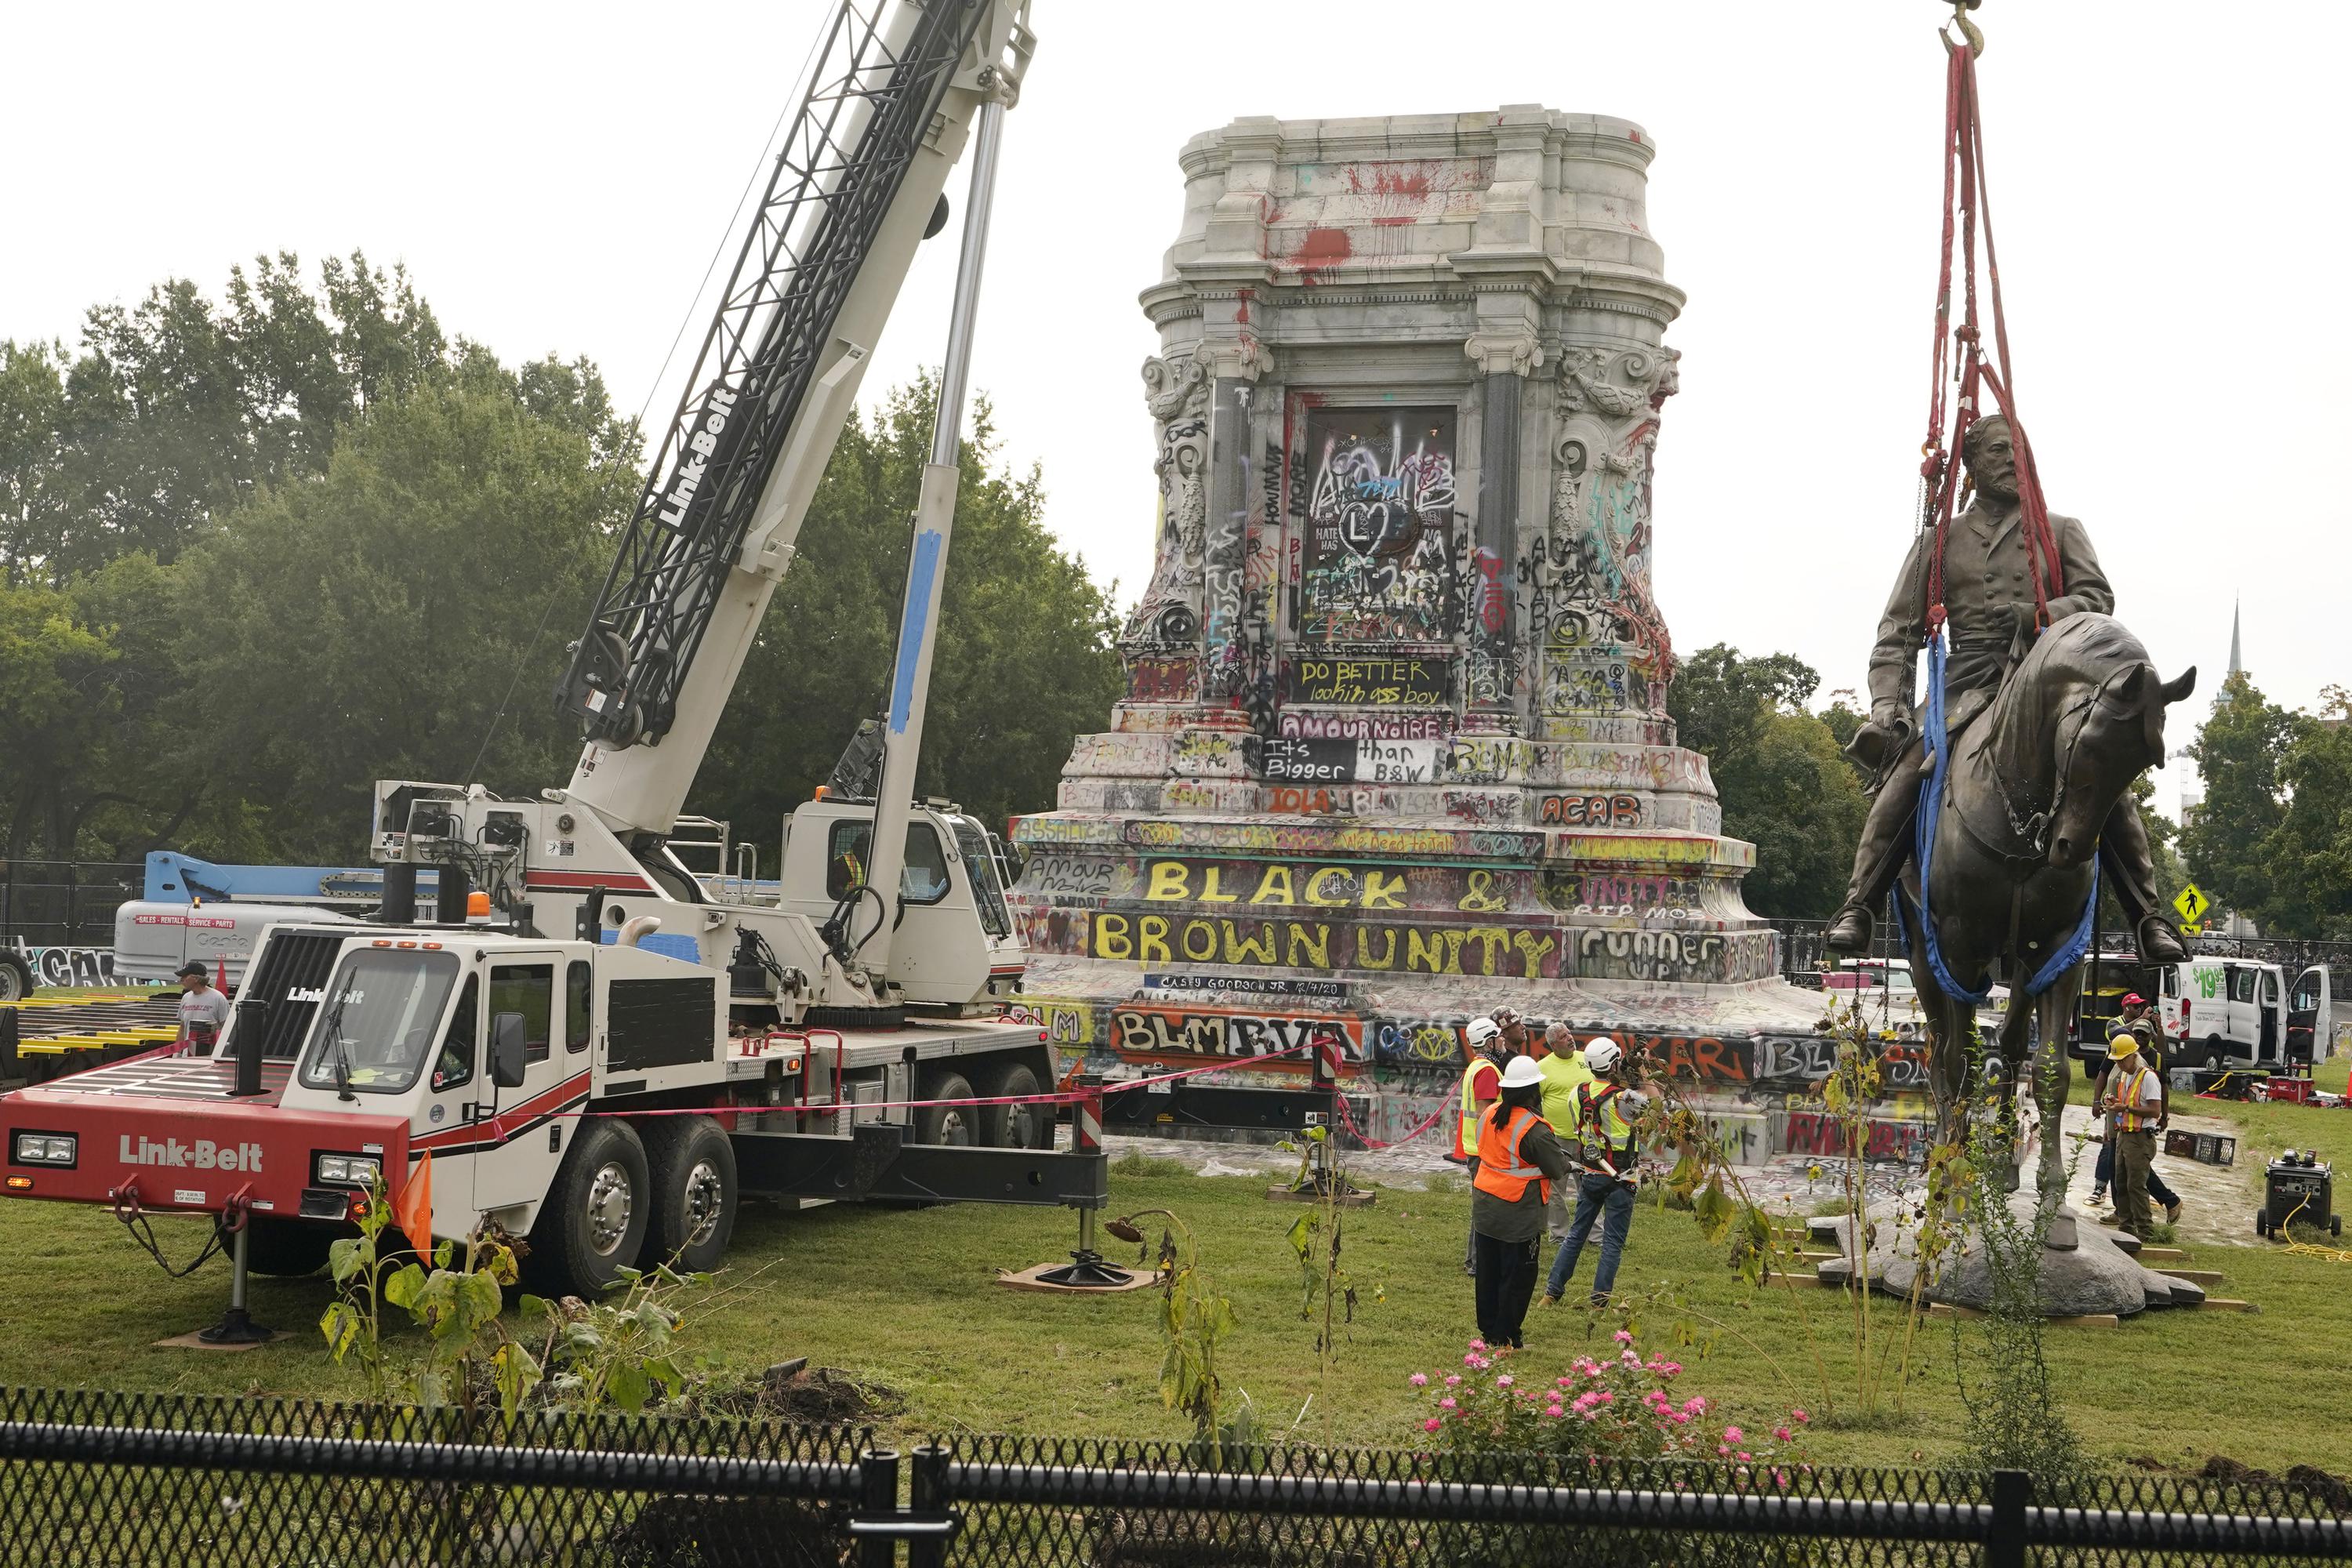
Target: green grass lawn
[907, 1299]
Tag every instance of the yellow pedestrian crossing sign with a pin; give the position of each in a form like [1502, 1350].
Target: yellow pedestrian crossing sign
[2192, 903]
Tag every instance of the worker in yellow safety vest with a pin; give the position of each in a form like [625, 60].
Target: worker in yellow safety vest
[1518, 1160]
[1483, 1046]
[2136, 1105]
[1609, 1162]
[1562, 1062]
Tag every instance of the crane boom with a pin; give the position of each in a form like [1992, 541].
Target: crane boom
[855, 190]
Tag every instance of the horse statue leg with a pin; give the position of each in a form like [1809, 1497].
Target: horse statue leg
[2055, 1010]
[2016, 1046]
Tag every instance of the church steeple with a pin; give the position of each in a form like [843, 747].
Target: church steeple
[2237, 665]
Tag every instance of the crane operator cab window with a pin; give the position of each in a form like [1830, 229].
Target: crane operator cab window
[528, 989]
[455, 1065]
[382, 1017]
[924, 879]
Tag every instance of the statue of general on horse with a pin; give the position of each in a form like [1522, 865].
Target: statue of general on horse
[2001, 797]
[1990, 599]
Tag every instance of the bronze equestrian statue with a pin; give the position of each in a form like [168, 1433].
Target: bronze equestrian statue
[2008, 875]
[1989, 596]
[2040, 736]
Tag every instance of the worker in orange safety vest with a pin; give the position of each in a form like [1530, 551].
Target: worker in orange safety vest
[1518, 1160]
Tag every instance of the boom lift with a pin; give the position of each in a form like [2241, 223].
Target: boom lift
[600, 1045]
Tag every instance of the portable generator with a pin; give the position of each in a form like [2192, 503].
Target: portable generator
[2299, 1188]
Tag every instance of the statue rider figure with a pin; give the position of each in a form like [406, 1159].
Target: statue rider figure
[1989, 599]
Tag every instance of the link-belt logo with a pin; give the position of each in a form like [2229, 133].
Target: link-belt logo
[204, 1154]
[701, 444]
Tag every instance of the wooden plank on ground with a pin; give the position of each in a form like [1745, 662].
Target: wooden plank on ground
[2224, 1304]
[2200, 1278]
[2163, 1255]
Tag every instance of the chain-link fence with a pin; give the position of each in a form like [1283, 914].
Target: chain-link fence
[192, 1482]
[64, 903]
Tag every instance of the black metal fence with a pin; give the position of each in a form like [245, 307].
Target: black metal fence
[64, 903]
[192, 1482]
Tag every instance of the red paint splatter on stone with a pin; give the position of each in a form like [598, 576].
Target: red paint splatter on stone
[1241, 313]
[1322, 250]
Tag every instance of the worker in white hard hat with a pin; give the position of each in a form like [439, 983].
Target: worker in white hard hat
[1560, 1060]
[1609, 1164]
[1484, 1050]
[1518, 1162]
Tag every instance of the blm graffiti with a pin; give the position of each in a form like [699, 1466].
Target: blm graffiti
[1379, 549]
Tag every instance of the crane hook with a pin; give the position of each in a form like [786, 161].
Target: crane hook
[1969, 33]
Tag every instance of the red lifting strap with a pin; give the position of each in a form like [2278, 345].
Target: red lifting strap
[1966, 207]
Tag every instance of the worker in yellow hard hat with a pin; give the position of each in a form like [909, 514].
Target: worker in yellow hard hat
[2135, 1107]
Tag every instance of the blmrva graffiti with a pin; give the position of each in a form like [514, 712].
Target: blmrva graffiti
[1137, 1032]
[1819, 1134]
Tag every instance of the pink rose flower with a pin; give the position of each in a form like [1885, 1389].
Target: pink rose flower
[1504, 1381]
[1419, 1380]
[1432, 1424]
[1478, 1344]
[1798, 1416]
[1731, 1434]
[1780, 1433]
[1452, 1380]
[1447, 1404]
[1624, 1336]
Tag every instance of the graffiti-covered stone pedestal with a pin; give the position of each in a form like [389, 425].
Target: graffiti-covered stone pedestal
[1395, 747]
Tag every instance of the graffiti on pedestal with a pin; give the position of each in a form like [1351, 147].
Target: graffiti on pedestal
[1149, 1032]
[1378, 947]
[1259, 984]
[1153, 677]
[1589, 811]
[1367, 682]
[1293, 726]
[1822, 1135]
[1378, 525]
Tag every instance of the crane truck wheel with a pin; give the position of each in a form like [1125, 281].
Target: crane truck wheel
[287, 1248]
[1015, 1126]
[694, 1193]
[15, 977]
[593, 1221]
[956, 1125]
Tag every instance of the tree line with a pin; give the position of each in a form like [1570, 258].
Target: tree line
[258, 552]
[2273, 839]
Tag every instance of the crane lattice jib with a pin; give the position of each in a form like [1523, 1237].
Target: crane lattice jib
[823, 205]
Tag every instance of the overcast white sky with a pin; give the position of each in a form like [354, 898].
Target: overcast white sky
[2168, 178]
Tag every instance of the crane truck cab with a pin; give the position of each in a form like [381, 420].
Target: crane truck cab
[605, 1100]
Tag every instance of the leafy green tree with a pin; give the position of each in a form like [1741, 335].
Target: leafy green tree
[1784, 784]
[176, 410]
[2227, 844]
[401, 615]
[2309, 854]
[1024, 662]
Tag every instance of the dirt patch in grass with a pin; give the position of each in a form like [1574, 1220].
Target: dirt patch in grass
[794, 1391]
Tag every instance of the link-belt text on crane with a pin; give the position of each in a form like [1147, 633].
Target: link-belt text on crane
[699, 447]
[204, 1154]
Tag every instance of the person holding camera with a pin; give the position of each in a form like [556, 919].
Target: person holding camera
[1610, 1165]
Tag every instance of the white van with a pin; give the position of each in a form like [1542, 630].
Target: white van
[2221, 1012]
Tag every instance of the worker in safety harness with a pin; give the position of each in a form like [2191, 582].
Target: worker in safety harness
[1518, 1160]
[1609, 1164]
[2135, 1106]
[1989, 598]
[1484, 1046]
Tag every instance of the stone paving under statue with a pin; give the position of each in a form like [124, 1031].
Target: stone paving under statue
[1394, 748]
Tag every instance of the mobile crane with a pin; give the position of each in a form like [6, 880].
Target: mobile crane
[601, 1047]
